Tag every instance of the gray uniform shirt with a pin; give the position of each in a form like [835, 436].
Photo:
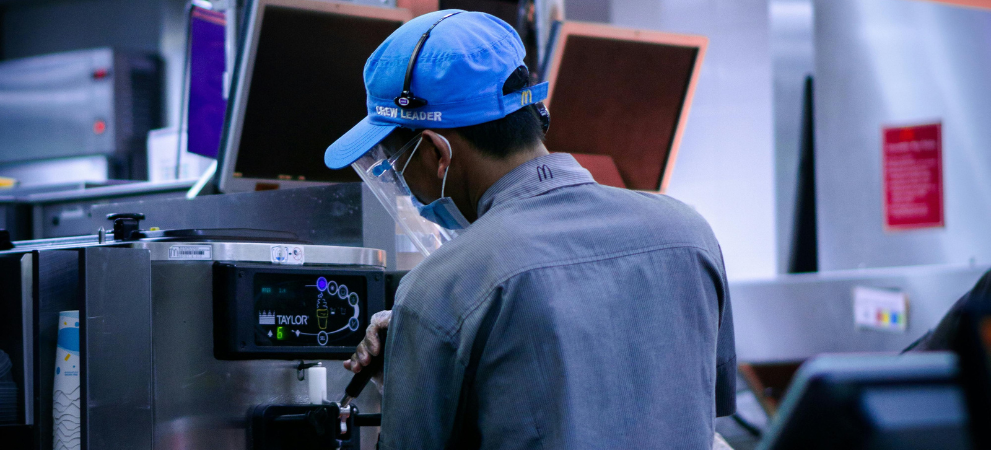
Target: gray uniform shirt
[570, 315]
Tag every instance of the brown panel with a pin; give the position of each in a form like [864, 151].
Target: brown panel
[621, 99]
[622, 93]
[505, 10]
[418, 7]
[769, 382]
[602, 168]
[968, 3]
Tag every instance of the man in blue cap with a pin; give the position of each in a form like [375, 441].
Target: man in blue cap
[559, 313]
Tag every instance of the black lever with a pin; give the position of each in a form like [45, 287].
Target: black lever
[125, 224]
[360, 379]
[5, 242]
[368, 420]
[318, 419]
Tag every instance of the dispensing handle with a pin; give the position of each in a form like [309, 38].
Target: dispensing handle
[5, 242]
[135, 216]
[360, 379]
[125, 224]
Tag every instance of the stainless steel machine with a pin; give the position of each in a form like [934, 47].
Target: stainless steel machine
[90, 106]
[184, 334]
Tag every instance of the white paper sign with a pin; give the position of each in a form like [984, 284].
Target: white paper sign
[882, 309]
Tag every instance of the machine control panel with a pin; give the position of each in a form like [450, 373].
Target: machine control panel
[303, 312]
[308, 310]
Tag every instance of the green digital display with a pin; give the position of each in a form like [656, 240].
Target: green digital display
[280, 333]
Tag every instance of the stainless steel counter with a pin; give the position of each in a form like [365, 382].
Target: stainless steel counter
[798, 316]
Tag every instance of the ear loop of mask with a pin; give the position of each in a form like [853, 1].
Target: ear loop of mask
[450, 151]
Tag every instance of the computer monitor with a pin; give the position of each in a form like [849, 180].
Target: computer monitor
[971, 340]
[298, 86]
[619, 99]
[877, 402]
[205, 105]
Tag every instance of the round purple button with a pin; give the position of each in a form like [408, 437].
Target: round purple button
[322, 283]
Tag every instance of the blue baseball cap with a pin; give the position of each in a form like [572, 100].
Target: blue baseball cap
[460, 72]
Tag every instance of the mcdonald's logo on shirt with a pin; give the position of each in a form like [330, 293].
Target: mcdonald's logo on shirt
[544, 173]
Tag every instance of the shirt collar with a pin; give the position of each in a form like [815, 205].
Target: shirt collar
[533, 178]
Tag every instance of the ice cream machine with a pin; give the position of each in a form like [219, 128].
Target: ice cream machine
[198, 338]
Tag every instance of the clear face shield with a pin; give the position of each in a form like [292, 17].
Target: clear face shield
[378, 168]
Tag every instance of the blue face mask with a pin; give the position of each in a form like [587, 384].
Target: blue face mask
[442, 211]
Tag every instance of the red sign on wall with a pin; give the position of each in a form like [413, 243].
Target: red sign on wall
[913, 177]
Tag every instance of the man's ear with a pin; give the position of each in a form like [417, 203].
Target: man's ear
[440, 152]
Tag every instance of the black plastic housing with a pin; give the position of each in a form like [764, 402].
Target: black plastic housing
[235, 317]
[301, 427]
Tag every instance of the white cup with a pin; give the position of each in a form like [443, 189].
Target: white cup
[65, 398]
[316, 378]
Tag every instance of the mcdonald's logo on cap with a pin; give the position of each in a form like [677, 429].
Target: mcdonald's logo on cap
[526, 97]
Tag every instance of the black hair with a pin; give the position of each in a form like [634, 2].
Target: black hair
[509, 135]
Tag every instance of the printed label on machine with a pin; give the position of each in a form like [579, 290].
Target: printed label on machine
[303, 310]
[288, 254]
[191, 252]
[880, 309]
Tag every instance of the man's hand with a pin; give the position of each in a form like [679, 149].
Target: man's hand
[371, 345]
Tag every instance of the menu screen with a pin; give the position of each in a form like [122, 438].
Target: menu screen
[309, 310]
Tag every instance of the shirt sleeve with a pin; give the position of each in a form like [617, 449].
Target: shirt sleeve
[422, 384]
[725, 351]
